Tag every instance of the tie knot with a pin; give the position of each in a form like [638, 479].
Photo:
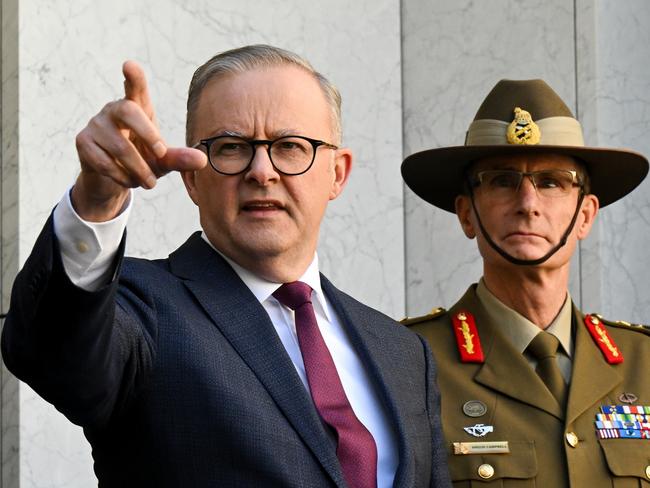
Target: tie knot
[293, 295]
[544, 345]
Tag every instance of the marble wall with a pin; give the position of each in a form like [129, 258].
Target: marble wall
[9, 385]
[412, 74]
[623, 120]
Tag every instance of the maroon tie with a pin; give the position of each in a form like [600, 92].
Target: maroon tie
[356, 447]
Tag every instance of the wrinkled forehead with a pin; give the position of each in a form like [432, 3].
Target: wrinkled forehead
[526, 162]
[264, 102]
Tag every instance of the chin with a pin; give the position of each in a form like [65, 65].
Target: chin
[264, 243]
[264, 249]
[526, 256]
[499, 261]
[528, 252]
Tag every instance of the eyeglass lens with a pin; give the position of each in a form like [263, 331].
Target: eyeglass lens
[290, 155]
[505, 183]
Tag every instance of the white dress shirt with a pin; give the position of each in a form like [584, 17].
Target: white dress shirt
[88, 249]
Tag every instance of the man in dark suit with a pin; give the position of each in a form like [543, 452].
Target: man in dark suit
[194, 370]
[534, 391]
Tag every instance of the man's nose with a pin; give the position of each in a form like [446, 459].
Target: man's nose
[527, 185]
[261, 169]
[527, 195]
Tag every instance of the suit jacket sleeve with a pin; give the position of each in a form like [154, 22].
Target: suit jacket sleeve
[439, 474]
[67, 343]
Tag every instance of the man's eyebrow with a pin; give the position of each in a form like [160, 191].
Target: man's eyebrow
[283, 133]
[287, 132]
[234, 133]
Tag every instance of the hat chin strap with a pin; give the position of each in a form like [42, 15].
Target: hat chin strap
[527, 262]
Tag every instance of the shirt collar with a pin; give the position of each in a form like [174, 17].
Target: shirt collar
[263, 289]
[518, 328]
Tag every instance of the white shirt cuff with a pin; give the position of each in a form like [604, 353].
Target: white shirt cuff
[88, 248]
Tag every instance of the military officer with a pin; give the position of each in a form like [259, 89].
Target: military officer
[535, 393]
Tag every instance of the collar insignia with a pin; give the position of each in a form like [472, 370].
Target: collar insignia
[467, 340]
[603, 340]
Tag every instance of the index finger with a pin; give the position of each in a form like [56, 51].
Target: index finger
[135, 86]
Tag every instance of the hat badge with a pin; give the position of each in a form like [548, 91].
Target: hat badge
[522, 130]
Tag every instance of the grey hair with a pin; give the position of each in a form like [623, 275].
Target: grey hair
[252, 57]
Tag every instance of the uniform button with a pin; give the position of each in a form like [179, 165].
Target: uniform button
[647, 472]
[82, 246]
[486, 471]
[572, 439]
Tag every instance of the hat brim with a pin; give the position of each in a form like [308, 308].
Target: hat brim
[437, 175]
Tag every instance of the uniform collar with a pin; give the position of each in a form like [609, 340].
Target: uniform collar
[263, 289]
[521, 331]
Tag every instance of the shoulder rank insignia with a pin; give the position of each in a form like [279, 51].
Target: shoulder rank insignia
[621, 324]
[602, 338]
[467, 339]
[522, 130]
[434, 314]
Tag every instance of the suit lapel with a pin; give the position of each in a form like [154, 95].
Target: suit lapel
[246, 325]
[588, 362]
[379, 363]
[505, 369]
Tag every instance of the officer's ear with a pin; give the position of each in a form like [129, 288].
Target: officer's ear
[463, 206]
[587, 215]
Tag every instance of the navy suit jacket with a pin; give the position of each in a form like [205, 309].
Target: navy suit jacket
[177, 376]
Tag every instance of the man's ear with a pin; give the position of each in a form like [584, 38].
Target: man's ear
[463, 206]
[341, 171]
[189, 179]
[588, 212]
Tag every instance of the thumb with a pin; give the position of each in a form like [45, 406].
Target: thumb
[182, 159]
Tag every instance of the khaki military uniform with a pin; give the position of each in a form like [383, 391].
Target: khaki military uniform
[503, 399]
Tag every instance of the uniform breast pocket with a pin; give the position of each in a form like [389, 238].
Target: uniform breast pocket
[629, 462]
[516, 469]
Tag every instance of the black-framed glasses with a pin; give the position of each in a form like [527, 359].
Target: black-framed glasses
[289, 155]
[505, 183]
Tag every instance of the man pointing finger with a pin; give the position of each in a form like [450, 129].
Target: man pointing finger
[233, 362]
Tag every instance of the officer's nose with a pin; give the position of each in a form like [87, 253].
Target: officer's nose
[527, 195]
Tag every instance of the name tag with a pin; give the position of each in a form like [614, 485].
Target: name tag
[494, 447]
